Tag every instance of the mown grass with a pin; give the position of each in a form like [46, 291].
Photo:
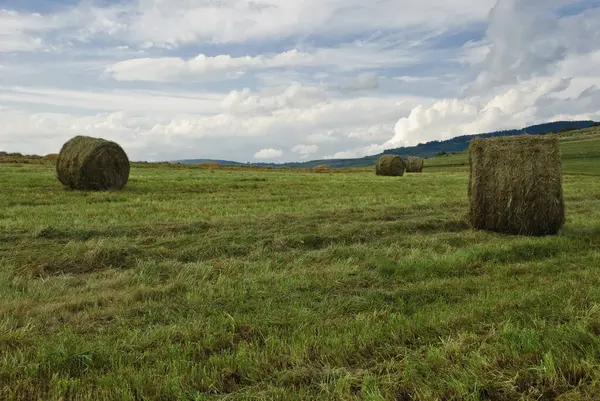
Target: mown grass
[198, 284]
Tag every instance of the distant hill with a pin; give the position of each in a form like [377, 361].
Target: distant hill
[424, 150]
[199, 161]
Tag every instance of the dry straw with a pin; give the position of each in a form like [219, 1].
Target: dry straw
[209, 165]
[414, 165]
[87, 163]
[323, 168]
[391, 165]
[515, 185]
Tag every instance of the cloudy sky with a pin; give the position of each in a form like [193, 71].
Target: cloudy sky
[285, 80]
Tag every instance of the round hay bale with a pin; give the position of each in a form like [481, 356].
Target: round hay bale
[51, 156]
[390, 165]
[414, 165]
[87, 163]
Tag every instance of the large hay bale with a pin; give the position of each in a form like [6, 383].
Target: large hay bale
[414, 165]
[515, 185]
[87, 163]
[391, 165]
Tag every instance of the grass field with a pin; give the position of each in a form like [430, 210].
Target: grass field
[237, 284]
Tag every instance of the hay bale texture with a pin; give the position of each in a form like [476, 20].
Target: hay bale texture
[390, 165]
[515, 185]
[414, 165]
[322, 168]
[87, 163]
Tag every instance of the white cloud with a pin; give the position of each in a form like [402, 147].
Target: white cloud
[17, 31]
[473, 53]
[512, 107]
[117, 100]
[363, 81]
[305, 150]
[411, 79]
[323, 137]
[172, 134]
[346, 58]
[184, 21]
[358, 152]
[525, 39]
[295, 96]
[268, 153]
[174, 68]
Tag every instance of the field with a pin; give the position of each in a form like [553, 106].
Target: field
[238, 283]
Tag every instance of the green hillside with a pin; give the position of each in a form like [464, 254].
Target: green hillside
[580, 152]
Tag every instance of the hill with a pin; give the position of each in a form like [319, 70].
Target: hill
[453, 145]
[425, 150]
[200, 161]
[580, 151]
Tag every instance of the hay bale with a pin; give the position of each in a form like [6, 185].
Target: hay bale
[209, 164]
[87, 163]
[414, 165]
[322, 168]
[390, 165]
[515, 185]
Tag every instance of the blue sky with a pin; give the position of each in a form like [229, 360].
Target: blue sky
[276, 80]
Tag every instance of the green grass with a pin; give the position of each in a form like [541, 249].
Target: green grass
[580, 151]
[199, 284]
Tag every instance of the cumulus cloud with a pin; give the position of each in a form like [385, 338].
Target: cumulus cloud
[525, 39]
[513, 107]
[269, 153]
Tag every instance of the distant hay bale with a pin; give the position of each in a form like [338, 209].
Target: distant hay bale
[322, 168]
[209, 164]
[87, 163]
[515, 185]
[51, 156]
[390, 165]
[414, 165]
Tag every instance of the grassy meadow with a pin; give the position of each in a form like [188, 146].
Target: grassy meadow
[282, 284]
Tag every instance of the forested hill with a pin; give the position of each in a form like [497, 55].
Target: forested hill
[457, 144]
[429, 149]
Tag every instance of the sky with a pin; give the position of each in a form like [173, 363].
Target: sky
[289, 80]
